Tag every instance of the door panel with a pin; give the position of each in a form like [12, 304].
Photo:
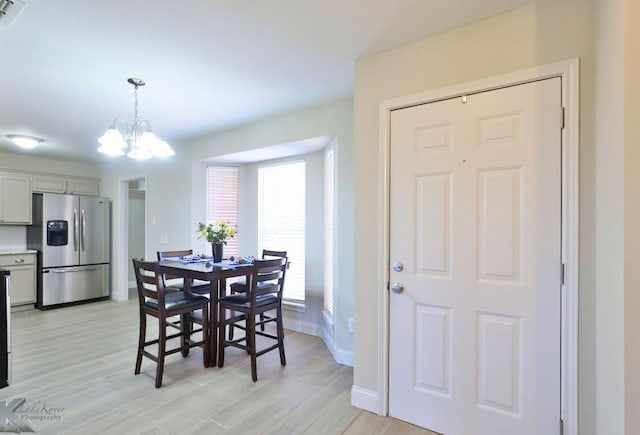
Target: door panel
[94, 230]
[475, 219]
[71, 284]
[61, 208]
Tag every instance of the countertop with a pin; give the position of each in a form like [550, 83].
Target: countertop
[17, 251]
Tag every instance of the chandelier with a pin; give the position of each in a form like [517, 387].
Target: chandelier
[137, 137]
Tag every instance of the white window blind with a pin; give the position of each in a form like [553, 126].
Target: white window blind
[328, 230]
[281, 220]
[222, 202]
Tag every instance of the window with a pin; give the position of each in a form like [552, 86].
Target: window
[328, 230]
[222, 202]
[281, 220]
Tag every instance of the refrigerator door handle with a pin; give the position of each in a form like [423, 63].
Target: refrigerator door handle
[8, 290]
[75, 229]
[83, 225]
[72, 269]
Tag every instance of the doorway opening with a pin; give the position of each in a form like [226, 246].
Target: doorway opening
[136, 213]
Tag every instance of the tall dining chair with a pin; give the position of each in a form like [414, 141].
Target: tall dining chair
[265, 294]
[241, 287]
[173, 282]
[155, 302]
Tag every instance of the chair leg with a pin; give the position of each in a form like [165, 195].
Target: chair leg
[262, 320]
[230, 329]
[206, 351]
[142, 336]
[186, 326]
[221, 325]
[162, 343]
[280, 334]
[251, 341]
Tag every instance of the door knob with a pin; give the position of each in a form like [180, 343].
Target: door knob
[398, 267]
[397, 287]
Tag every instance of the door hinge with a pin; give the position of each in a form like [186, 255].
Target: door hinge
[562, 274]
[563, 118]
[388, 285]
[561, 427]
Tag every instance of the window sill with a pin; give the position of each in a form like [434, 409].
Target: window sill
[300, 307]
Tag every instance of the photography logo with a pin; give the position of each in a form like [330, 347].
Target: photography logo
[10, 419]
[15, 417]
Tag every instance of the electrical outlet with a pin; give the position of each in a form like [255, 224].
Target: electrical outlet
[164, 239]
[350, 325]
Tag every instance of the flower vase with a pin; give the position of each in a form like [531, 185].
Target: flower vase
[216, 249]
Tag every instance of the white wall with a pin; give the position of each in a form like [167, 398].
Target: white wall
[544, 32]
[176, 191]
[168, 183]
[309, 320]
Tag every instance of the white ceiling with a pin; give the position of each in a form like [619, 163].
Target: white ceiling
[209, 64]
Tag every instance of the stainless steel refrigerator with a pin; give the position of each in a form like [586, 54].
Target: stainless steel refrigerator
[72, 236]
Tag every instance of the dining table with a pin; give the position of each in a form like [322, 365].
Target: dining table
[216, 274]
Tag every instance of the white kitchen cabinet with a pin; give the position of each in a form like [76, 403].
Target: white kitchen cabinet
[75, 186]
[23, 277]
[48, 184]
[83, 187]
[15, 199]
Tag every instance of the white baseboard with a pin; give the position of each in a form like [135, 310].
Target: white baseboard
[365, 399]
[132, 284]
[302, 326]
[341, 356]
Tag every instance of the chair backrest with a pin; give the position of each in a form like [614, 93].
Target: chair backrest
[148, 282]
[172, 254]
[268, 272]
[267, 254]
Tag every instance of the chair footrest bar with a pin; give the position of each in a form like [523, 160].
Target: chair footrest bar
[264, 334]
[268, 349]
[236, 344]
[150, 356]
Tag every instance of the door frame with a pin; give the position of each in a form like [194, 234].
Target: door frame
[120, 253]
[568, 71]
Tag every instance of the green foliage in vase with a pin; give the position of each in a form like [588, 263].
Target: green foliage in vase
[216, 232]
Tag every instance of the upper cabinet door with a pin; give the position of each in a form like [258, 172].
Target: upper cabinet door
[49, 184]
[83, 187]
[15, 199]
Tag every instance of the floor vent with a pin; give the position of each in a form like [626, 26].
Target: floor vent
[9, 11]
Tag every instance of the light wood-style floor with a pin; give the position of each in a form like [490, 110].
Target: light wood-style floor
[81, 359]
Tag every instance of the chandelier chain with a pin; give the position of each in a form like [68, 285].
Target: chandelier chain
[135, 111]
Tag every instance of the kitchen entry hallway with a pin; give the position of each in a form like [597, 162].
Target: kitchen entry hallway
[74, 368]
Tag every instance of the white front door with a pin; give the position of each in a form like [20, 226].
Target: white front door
[475, 221]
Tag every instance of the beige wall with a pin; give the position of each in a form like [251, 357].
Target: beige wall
[609, 221]
[632, 212]
[542, 33]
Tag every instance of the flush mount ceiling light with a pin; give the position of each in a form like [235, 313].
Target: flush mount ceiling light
[137, 136]
[23, 141]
